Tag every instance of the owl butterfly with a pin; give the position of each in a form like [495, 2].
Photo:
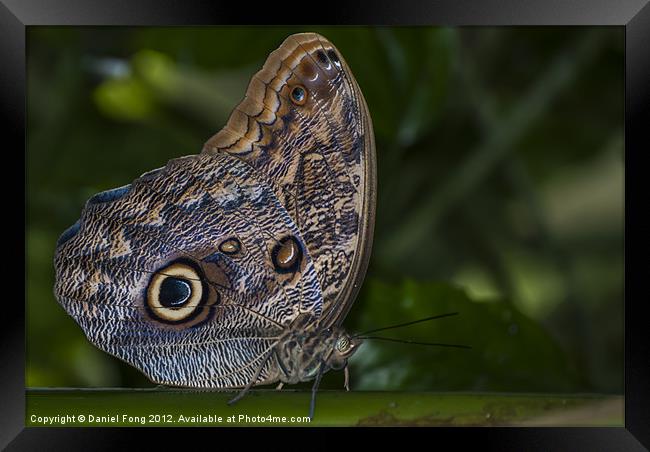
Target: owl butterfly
[235, 267]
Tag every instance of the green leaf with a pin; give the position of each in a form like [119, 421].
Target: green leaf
[125, 99]
[509, 350]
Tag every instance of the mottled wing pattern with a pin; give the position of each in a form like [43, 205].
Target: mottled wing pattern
[304, 126]
[194, 272]
[206, 216]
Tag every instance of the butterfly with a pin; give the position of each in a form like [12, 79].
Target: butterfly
[236, 267]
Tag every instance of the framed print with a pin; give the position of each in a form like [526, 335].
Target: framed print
[427, 223]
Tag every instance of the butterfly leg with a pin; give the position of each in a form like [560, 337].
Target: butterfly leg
[346, 383]
[252, 381]
[314, 389]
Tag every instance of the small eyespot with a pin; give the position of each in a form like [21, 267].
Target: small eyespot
[175, 293]
[230, 246]
[287, 255]
[334, 57]
[299, 95]
[322, 57]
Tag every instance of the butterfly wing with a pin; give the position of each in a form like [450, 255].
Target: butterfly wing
[179, 273]
[305, 128]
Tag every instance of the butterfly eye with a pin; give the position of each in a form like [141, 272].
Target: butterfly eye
[230, 246]
[299, 95]
[287, 255]
[175, 293]
[342, 344]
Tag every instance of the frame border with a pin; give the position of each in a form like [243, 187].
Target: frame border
[634, 15]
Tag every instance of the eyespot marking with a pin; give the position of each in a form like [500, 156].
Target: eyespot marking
[322, 57]
[176, 293]
[334, 57]
[230, 246]
[299, 95]
[287, 255]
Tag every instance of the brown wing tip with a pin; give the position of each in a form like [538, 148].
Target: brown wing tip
[263, 90]
[306, 37]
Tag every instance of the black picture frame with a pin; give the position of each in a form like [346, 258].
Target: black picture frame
[633, 15]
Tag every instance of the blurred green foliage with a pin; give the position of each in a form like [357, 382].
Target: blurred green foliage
[500, 189]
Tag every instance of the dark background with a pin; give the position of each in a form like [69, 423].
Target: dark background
[500, 165]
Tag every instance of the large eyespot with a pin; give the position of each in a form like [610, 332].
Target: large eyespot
[287, 255]
[299, 95]
[175, 293]
[230, 246]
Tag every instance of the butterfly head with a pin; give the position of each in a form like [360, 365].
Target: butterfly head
[344, 347]
[341, 347]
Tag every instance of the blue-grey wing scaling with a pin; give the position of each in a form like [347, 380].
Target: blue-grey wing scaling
[189, 274]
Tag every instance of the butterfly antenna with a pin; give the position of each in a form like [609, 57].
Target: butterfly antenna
[406, 341]
[426, 319]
